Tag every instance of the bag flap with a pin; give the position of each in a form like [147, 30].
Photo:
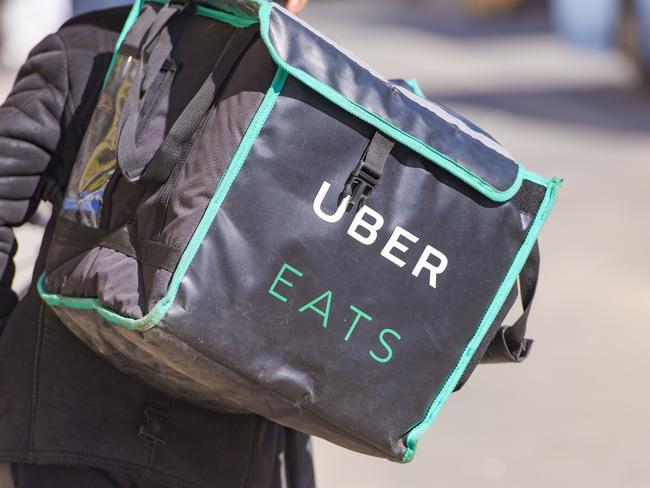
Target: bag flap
[429, 129]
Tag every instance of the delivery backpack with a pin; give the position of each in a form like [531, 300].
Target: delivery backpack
[258, 223]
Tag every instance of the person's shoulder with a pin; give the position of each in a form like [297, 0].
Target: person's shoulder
[97, 30]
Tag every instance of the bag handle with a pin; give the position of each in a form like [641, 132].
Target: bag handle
[176, 145]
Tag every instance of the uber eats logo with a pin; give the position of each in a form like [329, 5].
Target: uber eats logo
[365, 229]
[321, 306]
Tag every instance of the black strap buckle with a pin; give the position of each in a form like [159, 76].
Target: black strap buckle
[366, 175]
[359, 186]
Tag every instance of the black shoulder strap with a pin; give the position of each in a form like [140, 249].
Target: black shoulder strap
[503, 344]
[177, 143]
[510, 343]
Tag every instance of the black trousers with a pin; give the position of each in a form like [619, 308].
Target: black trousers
[33, 476]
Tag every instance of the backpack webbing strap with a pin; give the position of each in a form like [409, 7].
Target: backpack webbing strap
[178, 142]
[377, 154]
[479, 355]
[80, 238]
[154, 52]
[176, 145]
[146, 252]
[503, 344]
[510, 344]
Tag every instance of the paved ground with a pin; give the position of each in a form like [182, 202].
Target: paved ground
[576, 414]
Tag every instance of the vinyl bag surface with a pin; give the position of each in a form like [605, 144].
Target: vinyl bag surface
[266, 225]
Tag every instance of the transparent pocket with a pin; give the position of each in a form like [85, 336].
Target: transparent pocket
[97, 158]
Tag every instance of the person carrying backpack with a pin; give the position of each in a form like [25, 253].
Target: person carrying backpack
[255, 222]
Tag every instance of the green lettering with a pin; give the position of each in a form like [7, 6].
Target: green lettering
[360, 314]
[326, 313]
[280, 279]
[389, 350]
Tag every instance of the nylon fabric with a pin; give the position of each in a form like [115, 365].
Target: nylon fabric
[150, 253]
[425, 120]
[508, 282]
[136, 279]
[59, 397]
[178, 142]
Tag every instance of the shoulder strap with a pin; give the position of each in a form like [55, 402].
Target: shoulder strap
[177, 143]
[510, 344]
[155, 49]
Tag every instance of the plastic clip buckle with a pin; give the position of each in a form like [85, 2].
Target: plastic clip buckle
[359, 186]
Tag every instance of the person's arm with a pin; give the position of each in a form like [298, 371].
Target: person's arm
[31, 126]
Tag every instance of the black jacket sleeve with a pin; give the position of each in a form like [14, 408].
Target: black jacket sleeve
[31, 127]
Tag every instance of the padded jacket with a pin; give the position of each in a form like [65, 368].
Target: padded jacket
[59, 402]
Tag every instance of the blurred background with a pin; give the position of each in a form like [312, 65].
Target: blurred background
[564, 85]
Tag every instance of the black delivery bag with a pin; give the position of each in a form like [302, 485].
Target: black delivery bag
[257, 222]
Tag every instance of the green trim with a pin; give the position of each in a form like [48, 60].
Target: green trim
[540, 180]
[226, 17]
[415, 87]
[160, 309]
[386, 127]
[415, 434]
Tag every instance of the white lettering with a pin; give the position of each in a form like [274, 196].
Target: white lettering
[367, 233]
[434, 270]
[371, 228]
[394, 243]
[318, 202]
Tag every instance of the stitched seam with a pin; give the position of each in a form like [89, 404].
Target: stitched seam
[414, 434]
[36, 379]
[143, 261]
